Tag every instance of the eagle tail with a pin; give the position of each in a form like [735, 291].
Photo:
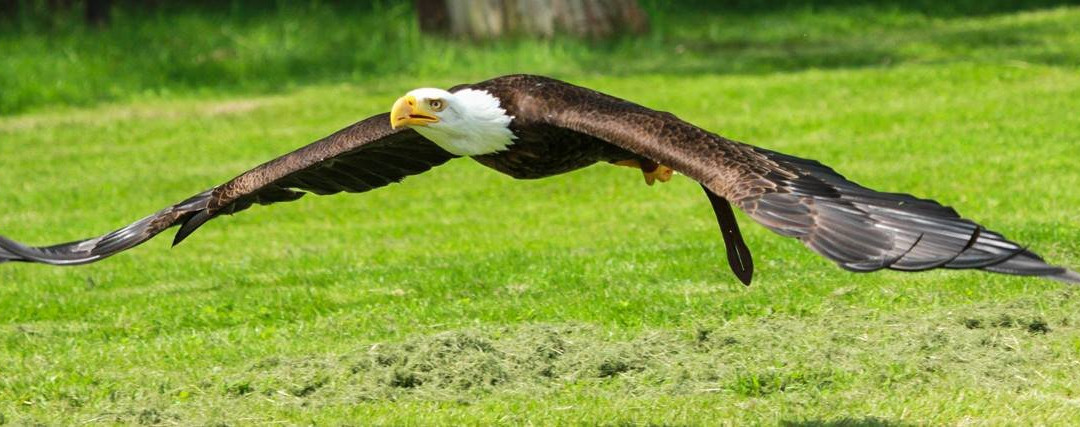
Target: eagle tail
[738, 254]
[97, 248]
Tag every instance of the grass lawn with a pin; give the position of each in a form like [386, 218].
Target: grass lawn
[463, 296]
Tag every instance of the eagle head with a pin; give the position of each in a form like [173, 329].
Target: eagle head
[468, 122]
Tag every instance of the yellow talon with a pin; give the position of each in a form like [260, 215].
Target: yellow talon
[661, 173]
[652, 171]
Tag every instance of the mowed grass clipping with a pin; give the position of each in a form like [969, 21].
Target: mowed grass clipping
[463, 296]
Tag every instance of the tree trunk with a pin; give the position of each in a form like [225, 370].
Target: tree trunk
[56, 6]
[9, 9]
[432, 15]
[486, 19]
[97, 12]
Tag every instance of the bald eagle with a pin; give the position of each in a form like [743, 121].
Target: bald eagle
[532, 127]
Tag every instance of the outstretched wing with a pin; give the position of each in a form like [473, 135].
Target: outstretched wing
[858, 228]
[366, 155]
[865, 230]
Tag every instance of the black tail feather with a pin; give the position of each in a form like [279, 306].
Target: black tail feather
[738, 254]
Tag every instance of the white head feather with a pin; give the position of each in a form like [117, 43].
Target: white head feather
[471, 124]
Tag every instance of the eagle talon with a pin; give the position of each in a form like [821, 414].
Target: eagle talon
[661, 173]
[650, 170]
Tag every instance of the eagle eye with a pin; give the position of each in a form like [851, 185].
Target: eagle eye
[436, 105]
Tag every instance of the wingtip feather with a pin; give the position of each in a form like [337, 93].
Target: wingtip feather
[8, 249]
[1068, 276]
[6, 255]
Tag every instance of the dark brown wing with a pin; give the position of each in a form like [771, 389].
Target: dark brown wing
[361, 157]
[865, 230]
[858, 228]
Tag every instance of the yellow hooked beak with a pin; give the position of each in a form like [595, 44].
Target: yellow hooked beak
[408, 112]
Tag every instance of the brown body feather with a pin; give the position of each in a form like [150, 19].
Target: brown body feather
[561, 127]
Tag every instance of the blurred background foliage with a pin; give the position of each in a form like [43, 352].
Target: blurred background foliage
[51, 56]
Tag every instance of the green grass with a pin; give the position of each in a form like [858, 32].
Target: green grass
[463, 296]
